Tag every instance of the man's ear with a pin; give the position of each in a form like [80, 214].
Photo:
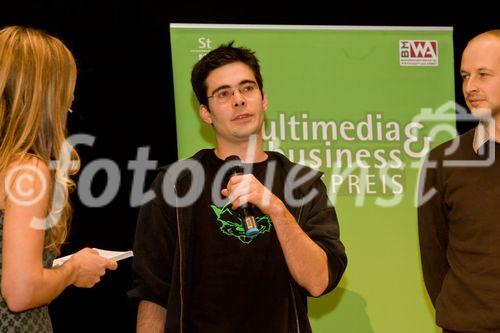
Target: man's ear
[264, 101]
[205, 114]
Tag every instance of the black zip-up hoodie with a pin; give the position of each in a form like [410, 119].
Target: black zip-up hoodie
[162, 253]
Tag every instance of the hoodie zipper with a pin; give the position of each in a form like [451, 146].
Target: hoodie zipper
[181, 271]
[291, 286]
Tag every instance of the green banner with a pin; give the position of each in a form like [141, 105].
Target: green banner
[363, 105]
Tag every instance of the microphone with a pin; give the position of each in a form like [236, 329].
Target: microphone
[245, 211]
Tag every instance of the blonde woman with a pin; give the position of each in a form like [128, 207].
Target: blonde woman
[37, 80]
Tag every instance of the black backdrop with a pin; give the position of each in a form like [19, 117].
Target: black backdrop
[124, 97]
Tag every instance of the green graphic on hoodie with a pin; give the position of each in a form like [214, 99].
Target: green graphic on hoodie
[232, 225]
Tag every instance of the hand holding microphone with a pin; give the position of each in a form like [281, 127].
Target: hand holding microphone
[246, 210]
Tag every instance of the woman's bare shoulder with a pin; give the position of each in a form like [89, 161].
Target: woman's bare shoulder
[29, 170]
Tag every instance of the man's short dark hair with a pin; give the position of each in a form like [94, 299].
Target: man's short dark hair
[223, 55]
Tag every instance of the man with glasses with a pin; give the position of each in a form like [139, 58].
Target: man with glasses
[197, 267]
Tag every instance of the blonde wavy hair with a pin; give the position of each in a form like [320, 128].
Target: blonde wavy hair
[37, 82]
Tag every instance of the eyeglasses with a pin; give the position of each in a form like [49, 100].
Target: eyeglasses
[224, 95]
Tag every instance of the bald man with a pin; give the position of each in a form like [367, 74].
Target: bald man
[459, 224]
